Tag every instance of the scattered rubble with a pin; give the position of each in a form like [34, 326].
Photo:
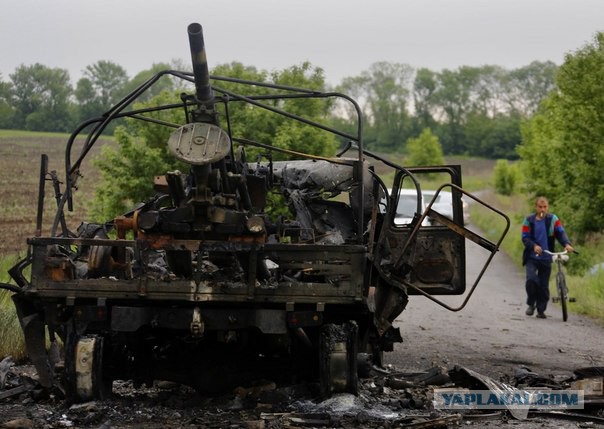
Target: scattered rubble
[387, 400]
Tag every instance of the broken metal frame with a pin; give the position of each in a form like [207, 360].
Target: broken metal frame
[117, 112]
[492, 247]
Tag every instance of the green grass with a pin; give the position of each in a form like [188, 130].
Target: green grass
[13, 343]
[588, 293]
[28, 134]
[474, 184]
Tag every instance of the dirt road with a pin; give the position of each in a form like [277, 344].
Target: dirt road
[492, 335]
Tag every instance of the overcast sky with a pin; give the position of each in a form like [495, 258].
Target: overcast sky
[344, 37]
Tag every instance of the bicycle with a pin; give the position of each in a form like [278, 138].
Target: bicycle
[559, 258]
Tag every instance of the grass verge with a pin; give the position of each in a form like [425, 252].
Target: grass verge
[13, 343]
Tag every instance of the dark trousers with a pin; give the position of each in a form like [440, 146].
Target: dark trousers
[537, 284]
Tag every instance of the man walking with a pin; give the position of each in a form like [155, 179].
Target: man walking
[540, 230]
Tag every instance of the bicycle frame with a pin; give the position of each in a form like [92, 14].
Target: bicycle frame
[559, 258]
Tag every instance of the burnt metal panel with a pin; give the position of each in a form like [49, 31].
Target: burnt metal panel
[130, 319]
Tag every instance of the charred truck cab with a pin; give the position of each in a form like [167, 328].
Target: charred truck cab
[199, 285]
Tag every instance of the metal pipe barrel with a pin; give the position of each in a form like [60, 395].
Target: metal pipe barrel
[201, 73]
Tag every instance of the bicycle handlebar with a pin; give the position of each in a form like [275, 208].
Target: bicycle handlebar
[564, 252]
[560, 256]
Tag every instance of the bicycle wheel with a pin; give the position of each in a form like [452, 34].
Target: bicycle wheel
[562, 293]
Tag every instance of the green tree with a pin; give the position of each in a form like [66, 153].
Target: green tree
[102, 85]
[526, 87]
[126, 175]
[505, 177]
[344, 114]
[492, 137]
[127, 172]
[40, 97]
[424, 150]
[165, 83]
[354, 87]
[384, 93]
[487, 91]
[563, 144]
[261, 125]
[453, 98]
[424, 87]
[478, 110]
[108, 81]
[89, 106]
[6, 110]
[141, 154]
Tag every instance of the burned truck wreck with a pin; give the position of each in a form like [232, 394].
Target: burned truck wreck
[202, 286]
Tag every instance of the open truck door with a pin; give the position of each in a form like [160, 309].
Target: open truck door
[427, 255]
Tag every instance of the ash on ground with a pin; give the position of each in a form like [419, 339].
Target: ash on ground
[387, 399]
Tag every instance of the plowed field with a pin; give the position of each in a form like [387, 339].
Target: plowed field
[20, 154]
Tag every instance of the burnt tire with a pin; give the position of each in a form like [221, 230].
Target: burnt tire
[338, 349]
[84, 379]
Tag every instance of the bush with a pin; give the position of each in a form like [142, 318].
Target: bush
[505, 177]
[424, 150]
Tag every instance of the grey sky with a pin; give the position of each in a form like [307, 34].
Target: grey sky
[344, 37]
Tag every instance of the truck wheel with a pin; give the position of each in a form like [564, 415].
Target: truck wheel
[84, 369]
[338, 348]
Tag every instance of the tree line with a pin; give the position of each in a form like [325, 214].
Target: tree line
[549, 117]
[472, 110]
[39, 98]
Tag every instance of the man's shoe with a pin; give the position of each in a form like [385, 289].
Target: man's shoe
[541, 316]
[530, 310]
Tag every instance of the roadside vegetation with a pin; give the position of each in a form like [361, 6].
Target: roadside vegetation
[13, 343]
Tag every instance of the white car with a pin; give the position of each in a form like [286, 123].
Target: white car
[444, 204]
[407, 207]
